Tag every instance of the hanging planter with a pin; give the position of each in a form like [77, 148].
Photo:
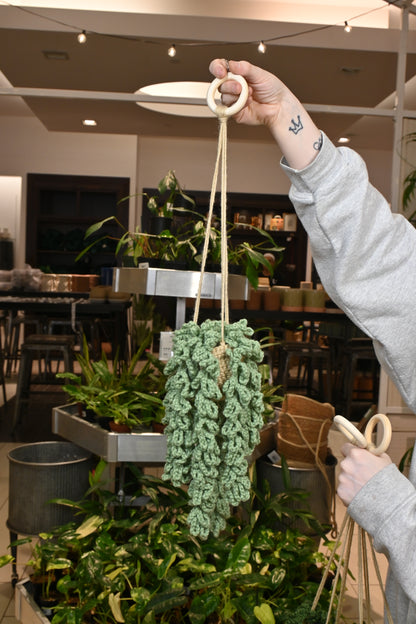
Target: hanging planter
[213, 403]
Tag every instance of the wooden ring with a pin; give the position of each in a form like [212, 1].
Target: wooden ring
[350, 431]
[227, 111]
[385, 442]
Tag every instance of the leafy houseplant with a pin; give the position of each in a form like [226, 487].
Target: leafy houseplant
[409, 182]
[164, 246]
[251, 256]
[140, 564]
[247, 256]
[118, 392]
[169, 190]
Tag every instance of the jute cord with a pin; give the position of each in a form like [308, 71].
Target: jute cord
[318, 462]
[347, 531]
[220, 159]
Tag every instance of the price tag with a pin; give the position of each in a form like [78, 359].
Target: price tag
[166, 346]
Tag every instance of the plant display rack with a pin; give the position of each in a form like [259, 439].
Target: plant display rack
[146, 448]
[179, 284]
[26, 610]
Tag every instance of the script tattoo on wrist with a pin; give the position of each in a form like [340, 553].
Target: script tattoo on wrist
[318, 144]
[297, 125]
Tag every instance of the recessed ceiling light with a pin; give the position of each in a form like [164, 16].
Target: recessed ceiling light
[351, 70]
[56, 55]
[344, 139]
[177, 89]
[89, 122]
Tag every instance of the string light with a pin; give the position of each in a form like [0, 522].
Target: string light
[82, 37]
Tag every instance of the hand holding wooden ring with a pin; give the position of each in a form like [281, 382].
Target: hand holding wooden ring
[227, 111]
[365, 441]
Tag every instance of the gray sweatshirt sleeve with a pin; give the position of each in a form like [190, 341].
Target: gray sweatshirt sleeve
[364, 254]
[392, 525]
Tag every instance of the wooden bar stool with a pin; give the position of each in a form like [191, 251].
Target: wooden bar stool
[310, 358]
[356, 350]
[40, 347]
[15, 325]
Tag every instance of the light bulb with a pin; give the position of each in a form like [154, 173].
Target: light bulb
[82, 37]
[347, 27]
[172, 51]
[261, 47]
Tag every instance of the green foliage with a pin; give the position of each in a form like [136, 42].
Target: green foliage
[140, 564]
[187, 246]
[409, 183]
[251, 255]
[406, 459]
[169, 189]
[117, 390]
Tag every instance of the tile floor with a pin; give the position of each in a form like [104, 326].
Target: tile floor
[350, 609]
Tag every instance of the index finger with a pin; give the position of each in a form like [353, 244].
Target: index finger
[218, 68]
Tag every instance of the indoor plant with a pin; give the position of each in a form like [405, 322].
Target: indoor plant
[140, 564]
[156, 249]
[169, 190]
[246, 257]
[118, 392]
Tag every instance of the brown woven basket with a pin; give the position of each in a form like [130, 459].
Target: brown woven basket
[302, 431]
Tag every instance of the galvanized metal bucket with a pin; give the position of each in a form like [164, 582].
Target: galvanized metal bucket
[311, 479]
[40, 472]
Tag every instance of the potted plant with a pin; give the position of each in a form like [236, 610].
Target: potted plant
[48, 557]
[131, 564]
[162, 204]
[252, 256]
[117, 393]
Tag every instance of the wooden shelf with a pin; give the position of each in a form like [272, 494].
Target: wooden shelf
[58, 206]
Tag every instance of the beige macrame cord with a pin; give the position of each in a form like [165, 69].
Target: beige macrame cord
[223, 113]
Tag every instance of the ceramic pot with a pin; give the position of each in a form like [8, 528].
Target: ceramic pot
[293, 300]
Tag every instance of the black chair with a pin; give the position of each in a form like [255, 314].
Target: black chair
[41, 347]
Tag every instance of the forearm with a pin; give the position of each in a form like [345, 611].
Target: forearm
[296, 134]
[272, 104]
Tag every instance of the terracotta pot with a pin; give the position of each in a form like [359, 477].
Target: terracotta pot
[119, 428]
[272, 300]
[158, 427]
[255, 301]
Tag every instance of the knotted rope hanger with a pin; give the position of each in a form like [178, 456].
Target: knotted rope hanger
[213, 403]
[223, 113]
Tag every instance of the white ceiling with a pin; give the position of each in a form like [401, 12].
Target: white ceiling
[127, 49]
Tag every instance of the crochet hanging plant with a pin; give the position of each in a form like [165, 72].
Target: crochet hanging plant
[214, 408]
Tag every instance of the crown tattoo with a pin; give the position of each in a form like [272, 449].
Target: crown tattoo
[297, 126]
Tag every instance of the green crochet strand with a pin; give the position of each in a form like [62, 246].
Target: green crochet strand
[213, 421]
